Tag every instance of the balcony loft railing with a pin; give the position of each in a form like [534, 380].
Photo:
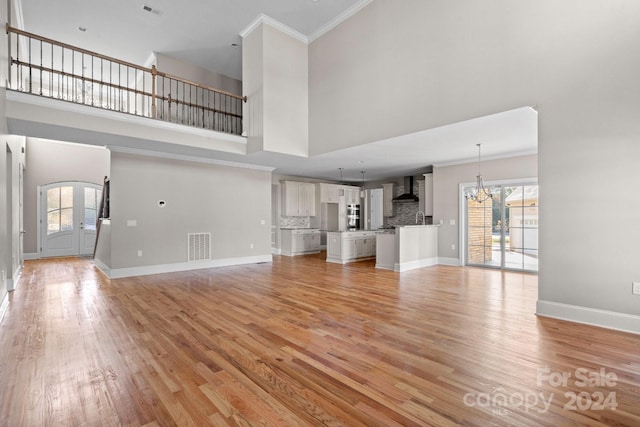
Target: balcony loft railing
[51, 69]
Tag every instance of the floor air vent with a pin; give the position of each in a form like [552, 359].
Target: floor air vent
[199, 246]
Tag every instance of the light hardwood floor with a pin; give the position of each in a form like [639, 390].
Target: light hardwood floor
[303, 342]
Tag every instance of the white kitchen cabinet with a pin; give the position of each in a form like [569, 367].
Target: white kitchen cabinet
[329, 193]
[300, 241]
[351, 195]
[299, 198]
[344, 247]
[388, 207]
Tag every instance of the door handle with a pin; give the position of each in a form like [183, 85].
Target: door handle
[81, 226]
[23, 231]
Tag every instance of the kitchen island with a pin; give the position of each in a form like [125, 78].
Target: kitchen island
[408, 248]
[350, 246]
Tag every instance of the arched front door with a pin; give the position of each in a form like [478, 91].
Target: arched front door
[69, 213]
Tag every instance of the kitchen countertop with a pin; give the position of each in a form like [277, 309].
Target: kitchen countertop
[352, 231]
[299, 228]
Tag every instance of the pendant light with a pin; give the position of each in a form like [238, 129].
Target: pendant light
[478, 194]
[362, 192]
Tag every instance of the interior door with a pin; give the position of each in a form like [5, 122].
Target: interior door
[69, 218]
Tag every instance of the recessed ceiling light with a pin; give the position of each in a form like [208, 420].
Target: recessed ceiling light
[83, 29]
[235, 45]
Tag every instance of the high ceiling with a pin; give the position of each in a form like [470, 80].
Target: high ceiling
[202, 32]
[197, 31]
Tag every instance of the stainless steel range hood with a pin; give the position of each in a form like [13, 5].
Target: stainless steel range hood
[408, 195]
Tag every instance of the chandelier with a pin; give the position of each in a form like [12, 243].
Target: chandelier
[478, 194]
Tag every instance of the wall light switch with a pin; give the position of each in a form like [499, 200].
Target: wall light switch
[452, 222]
[453, 247]
[441, 221]
[132, 223]
[263, 222]
[635, 288]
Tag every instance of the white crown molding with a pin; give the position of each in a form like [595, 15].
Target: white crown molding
[487, 158]
[264, 19]
[187, 158]
[339, 19]
[151, 60]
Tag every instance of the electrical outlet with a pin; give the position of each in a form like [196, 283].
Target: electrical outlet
[635, 288]
[453, 247]
[251, 246]
[4, 275]
[139, 253]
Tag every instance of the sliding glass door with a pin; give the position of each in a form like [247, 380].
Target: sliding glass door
[502, 231]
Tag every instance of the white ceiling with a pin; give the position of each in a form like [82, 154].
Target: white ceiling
[507, 134]
[202, 31]
[197, 31]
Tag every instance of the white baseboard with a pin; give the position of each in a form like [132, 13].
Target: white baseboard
[589, 316]
[118, 273]
[455, 262]
[347, 261]
[30, 256]
[276, 251]
[4, 306]
[298, 253]
[102, 267]
[13, 282]
[384, 266]
[412, 265]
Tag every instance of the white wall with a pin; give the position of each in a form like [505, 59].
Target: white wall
[577, 60]
[228, 202]
[275, 78]
[446, 194]
[55, 161]
[196, 74]
[253, 89]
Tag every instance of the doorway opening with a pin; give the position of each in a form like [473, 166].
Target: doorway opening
[68, 218]
[502, 231]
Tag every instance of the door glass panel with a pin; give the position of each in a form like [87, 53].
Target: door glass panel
[514, 228]
[479, 237]
[90, 219]
[53, 222]
[90, 208]
[66, 219]
[66, 197]
[53, 198]
[89, 198]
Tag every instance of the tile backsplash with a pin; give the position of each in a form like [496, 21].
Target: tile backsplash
[406, 211]
[295, 222]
